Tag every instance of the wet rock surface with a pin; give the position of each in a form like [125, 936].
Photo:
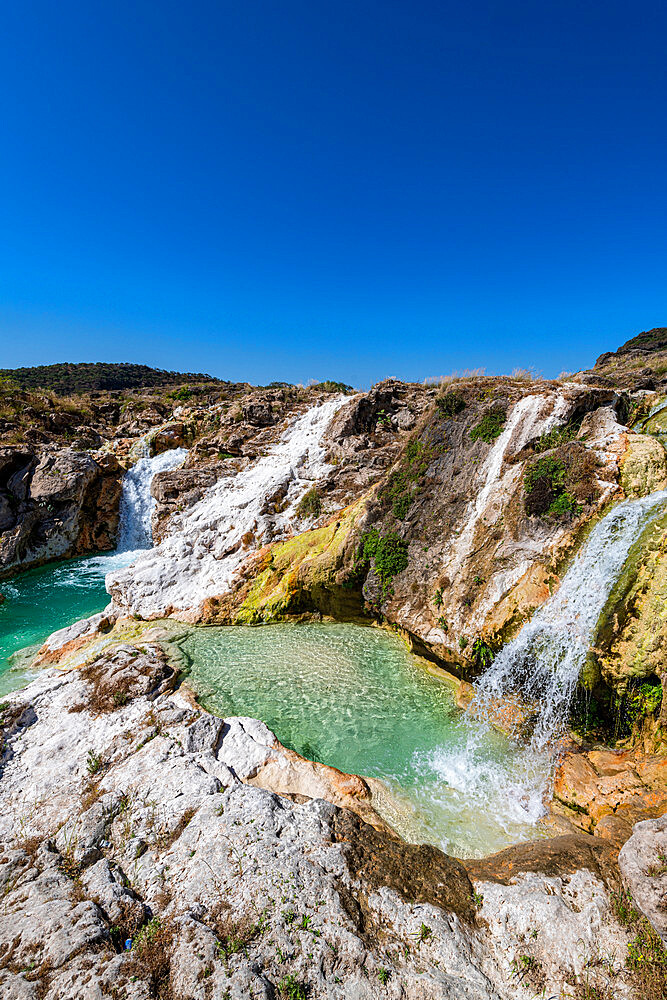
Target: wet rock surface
[138, 823]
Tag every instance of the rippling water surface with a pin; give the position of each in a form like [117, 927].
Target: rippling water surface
[40, 601]
[355, 697]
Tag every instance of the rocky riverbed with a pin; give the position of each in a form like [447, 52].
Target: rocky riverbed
[152, 850]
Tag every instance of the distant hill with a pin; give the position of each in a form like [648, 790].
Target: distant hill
[85, 376]
[640, 363]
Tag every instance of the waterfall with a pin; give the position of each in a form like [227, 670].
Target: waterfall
[240, 512]
[544, 662]
[529, 417]
[137, 504]
[542, 665]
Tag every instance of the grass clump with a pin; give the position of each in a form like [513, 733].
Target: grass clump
[490, 426]
[450, 404]
[647, 957]
[310, 504]
[389, 554]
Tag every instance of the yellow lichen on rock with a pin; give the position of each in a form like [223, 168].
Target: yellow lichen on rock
[638, 649]
[301, 573]
[643, 466]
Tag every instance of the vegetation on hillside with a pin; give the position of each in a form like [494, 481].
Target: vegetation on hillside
[87, 376]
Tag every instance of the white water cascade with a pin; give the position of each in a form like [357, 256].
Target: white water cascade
[137, 504]
[543, 665]
[544, 662]
[237, 515]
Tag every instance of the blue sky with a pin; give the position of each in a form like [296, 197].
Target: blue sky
[338, 190]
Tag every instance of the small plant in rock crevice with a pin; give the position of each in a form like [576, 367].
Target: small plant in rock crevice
[450, 403]
[490, 426]
[93, 762]
[291, 989]
[310, 504]
[389, 554]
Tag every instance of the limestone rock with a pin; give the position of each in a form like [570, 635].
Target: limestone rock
[134, 823]
[62, 504]
[643, 466]
[643, 864]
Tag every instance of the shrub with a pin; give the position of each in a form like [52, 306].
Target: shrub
[450, 404]
[490, 426]
[310, 504]
[330, 386]
[389, 554]
[544, 486]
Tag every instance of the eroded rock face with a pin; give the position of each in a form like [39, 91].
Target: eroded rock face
[606, 792]
[63, 503]
[643, 864]
[142, 820]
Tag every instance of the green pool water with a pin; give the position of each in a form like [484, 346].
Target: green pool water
[347, 695]
[40, 601]
[354, 697]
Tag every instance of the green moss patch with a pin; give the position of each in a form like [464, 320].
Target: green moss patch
[490, 426]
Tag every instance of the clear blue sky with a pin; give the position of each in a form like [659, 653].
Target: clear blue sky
[338, 190]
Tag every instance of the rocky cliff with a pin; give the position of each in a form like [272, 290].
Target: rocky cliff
[151, 850]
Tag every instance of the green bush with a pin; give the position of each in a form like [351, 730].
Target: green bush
[330, 386]
[450, 404]
[490, 426]
[389, 554]
[545, 491]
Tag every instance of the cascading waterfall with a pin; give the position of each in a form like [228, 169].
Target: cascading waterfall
[542, 665]
[544, 662]
[239, 513]
[137, 504]
[55, 596]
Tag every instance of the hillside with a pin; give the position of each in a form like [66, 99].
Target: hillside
[87, 376]
[640, 363]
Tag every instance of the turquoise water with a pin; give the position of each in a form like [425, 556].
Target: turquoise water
[348, 695]
[354, 697]
[40, 601]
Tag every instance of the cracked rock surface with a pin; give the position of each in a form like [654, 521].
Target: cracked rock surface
[140, 859]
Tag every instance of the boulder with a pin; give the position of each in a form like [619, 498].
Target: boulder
[643, 864]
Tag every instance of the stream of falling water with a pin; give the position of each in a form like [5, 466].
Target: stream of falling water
[237, 514]
[42, 600]
[543, 663]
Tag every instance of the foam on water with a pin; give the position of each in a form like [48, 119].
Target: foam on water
[356, 698]
[543, 665]
[41, 601]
